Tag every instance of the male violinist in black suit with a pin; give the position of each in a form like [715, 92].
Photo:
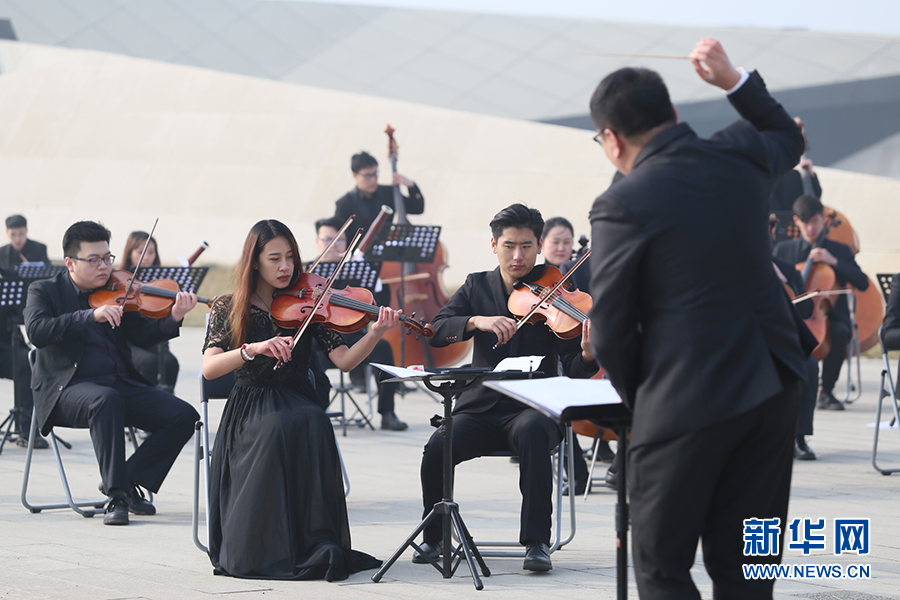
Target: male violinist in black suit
[485, 421]
[366, 198]
[697, 338]
[812, 244]
[84, 375]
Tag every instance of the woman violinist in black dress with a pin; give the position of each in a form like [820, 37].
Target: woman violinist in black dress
[277, 507]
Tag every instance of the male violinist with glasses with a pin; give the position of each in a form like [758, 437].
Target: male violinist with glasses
[84, 376]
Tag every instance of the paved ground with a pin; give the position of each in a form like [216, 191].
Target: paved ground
[57, 554]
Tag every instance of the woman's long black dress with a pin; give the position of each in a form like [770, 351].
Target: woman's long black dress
[277, 507]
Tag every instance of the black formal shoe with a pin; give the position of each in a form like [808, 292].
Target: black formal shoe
[537, 557]
[432, 551]
[116, 511]
[514, 460]
[827, 401]
[39, 443]
[138, 503]
[580, 486]
[612, 479]
[390, 422]
[802, 451]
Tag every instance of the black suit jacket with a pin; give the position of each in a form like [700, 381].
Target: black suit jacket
[891, 324]
[366, 209]
[846, 271]
[688, 315]
[32, 250]
[48, 320]
[483, 295]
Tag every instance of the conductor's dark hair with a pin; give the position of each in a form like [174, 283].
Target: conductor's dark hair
[83, 231]
[15, 222]
[363, 160]
[556, 222]
[519, 216]
[631, 102]
[329, 222]
[806, 207]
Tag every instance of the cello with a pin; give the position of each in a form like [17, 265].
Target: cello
[417, 289]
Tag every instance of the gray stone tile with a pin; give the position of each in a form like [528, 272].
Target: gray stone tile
[174, 24]
[261, 48]
[138, 36]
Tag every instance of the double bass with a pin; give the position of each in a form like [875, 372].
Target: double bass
[417, 289]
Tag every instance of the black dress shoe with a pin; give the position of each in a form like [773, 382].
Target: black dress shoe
[580, 486]
[537, 557]
[802, 451]
[39, 443]
[827, 401]
[612, 479]
[116, 511]
[390, 422]
[432, 551]
[138, 503]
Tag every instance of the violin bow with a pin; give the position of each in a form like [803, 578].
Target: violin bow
[347, 253]
[337, 236]
[138, 266]
[556, 287]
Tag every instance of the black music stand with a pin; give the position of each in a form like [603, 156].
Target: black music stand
[359, 274]
[452, 383]
[580, 401]
[405, 244]
[188, 280]
[786, 229]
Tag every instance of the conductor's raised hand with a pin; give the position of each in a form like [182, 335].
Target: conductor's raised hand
[712, 64]
[503, 327]
[277, 347]
[388, 318]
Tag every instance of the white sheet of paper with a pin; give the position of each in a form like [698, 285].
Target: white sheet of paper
[399, 371]
[554, 394]
[520, 363]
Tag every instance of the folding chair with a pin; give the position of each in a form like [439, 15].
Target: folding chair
[343, 391]
[560, 455]
[219, 389]
[94, 507]
[597, 433]
[885, 392]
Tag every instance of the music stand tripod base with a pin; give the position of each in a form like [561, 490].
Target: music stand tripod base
[448, 510]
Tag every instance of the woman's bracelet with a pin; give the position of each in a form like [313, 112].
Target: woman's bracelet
[244, 355]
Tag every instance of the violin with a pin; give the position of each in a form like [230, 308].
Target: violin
[548, 299]
[344, 310]
[153, 299]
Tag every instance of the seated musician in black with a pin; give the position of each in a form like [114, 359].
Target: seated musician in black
[326, 231]
[790, 276]
[891, 325]
[20, 249]
[84, 375]
[809, 218]
[486, 421]
[366, 198]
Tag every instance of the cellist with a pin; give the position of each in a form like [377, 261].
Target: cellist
[809, 217]
[366, 199]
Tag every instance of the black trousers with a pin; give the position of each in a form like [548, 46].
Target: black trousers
[808, 394]
[702, 485]
[831, 365]
[508, 425]
[21, 377]
[381, 354]
[107, 409]
[147, 363]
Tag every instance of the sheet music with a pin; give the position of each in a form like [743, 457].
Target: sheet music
[554, 395]
[400, 371]
[526, 364]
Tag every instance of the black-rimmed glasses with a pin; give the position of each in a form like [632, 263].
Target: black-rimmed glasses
[95, 262]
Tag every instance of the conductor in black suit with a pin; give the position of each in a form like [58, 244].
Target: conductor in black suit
[484, 420]
[366, 199]
[692, 325]
[810, 220]
[84, 375]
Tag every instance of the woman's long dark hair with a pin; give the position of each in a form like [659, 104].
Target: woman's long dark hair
[136, 239]
[246, 275]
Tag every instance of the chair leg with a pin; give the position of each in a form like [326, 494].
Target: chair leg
[343, 468]
[70, 503]
[883, 393]
[195, 507]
